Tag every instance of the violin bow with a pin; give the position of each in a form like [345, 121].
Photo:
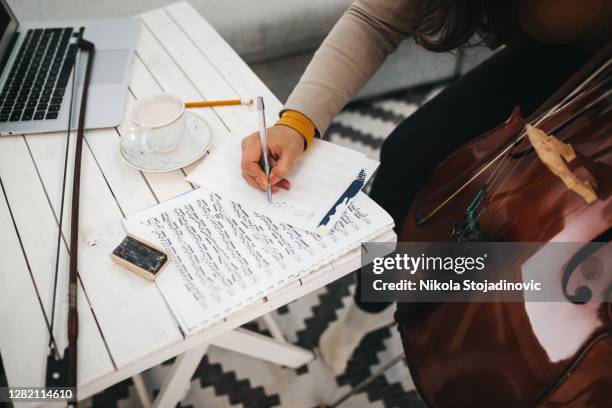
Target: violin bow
[63, 372]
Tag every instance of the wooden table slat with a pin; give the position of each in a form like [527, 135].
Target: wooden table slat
[38, 230]
[131, 312]
[195, 67]
[162, 74]
[128, 186]
[25, 321]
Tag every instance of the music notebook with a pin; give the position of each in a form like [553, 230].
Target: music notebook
[224, 258]
[324, 181]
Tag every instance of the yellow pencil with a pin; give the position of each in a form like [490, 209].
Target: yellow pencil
[204, 104]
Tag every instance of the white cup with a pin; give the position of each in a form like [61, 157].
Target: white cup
[160, 122]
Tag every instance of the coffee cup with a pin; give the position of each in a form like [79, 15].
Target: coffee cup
[160, 122]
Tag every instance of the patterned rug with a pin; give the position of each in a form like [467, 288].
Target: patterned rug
[226, 379]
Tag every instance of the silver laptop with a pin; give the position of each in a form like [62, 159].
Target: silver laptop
[37, 62]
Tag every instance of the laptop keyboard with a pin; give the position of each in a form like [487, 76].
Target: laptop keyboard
[35, 86]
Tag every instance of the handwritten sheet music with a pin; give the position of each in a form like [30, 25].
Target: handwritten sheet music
[319, 178]
[224, 257]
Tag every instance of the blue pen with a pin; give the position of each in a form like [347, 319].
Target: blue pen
[263, 139]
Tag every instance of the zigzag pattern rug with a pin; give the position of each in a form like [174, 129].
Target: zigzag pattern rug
[225, 379]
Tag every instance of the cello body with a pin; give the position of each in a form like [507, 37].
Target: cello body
[520, 354]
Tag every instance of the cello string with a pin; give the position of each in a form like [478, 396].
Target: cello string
[507, 158]
[530, 166]
[518, 162]
[524, 154]
[536, 123]
[559, 107]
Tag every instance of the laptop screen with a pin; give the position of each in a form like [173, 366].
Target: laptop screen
[8, 26]
[5, 19]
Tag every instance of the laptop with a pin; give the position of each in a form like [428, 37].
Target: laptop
[37, 72]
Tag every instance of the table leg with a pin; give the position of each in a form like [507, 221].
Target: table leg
[275, 331]
[177, 384]
[263, 347]
[275, 350]
[141, 390]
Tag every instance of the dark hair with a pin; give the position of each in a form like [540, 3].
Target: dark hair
[443, 25]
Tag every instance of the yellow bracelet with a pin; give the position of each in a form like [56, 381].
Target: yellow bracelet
[297, 121]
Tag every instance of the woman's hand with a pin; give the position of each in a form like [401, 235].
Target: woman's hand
[285, 145]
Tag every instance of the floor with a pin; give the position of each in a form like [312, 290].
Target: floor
[226, 379]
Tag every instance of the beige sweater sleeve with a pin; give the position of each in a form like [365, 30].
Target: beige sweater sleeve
[352, 52]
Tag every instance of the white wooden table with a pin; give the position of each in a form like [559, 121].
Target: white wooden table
[125, 325]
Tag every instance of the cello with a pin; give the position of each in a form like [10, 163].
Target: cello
[499, 188]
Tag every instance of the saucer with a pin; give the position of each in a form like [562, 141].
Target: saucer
[194, 144]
